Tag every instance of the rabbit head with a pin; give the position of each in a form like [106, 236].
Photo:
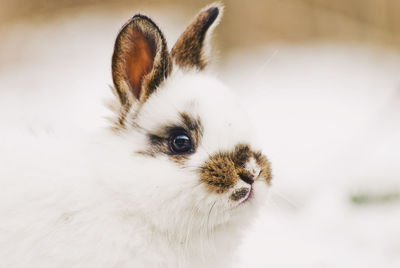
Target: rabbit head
[192, 159]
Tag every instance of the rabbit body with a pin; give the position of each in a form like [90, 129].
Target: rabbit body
[173, 184]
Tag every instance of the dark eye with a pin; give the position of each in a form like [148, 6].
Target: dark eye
[180, 143]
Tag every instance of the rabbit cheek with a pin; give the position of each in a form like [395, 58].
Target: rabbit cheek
[219, 174]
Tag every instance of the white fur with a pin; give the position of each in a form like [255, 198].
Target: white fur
[91, 201]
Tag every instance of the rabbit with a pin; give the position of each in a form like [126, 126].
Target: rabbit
[174, 181]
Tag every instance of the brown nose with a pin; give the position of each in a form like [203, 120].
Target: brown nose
[223, 169]
[246, 177]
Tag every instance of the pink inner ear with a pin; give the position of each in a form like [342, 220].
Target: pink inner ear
[139, 61]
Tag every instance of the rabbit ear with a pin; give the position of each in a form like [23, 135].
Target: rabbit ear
[140, 61]
[189, 50]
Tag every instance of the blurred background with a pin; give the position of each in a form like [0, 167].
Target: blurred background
[254, 21]
[321, 78]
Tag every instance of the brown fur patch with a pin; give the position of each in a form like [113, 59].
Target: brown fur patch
[224, 169]
[264, 165]
[241, 154]
[219, 173]
[140, 62]
[188, 51]
[239, 194]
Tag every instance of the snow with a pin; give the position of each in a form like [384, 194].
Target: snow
[328, 116]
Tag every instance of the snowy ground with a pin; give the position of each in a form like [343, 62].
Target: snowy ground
[329, 117]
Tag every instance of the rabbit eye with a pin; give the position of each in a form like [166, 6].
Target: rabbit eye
[180, 143]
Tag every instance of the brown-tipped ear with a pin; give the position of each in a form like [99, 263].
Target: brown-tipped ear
[189, 50]
[140, 61]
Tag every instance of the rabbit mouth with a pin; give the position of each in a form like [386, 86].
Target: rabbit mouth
[249, 195]
[240, 194]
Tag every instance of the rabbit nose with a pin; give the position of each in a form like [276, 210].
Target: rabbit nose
[248, 178]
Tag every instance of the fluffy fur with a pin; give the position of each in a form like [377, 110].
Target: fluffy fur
[104, 201]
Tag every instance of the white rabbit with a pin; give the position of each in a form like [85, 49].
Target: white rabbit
[173, 183]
